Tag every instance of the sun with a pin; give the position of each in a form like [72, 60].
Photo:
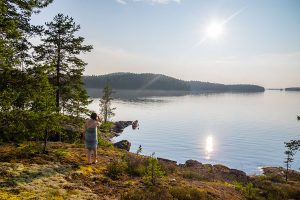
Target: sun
[215, 30]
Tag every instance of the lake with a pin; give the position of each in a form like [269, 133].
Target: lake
[245, 131]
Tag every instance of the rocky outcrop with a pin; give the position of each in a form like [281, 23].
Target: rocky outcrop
[193, 163]
[173, 162]
[123, 144]
[211, 172]
[118, 127]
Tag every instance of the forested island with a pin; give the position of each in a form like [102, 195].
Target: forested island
[148, 81]
[293, 89]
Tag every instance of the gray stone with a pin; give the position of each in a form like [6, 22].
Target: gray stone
[123, 144]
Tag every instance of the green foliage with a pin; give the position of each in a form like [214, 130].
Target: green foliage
[16, 31]
[136, 81]
[116, 168]
[154, 171]
[104, 134]
[105, 128]
[139, 150]
[28, 109]
[247, 190]
[59, 52]
[105, 103]
[61, 153]
[292, 147]
[137, 165]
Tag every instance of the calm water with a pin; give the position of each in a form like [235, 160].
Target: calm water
[243, 131]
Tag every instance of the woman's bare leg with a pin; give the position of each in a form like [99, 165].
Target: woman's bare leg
[95, 154]
[89, 156]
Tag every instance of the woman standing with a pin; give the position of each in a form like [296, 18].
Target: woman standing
[90, 135]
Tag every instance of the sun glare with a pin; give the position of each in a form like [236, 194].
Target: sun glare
[215, 30]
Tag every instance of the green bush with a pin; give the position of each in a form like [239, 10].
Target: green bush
[154, 171]
[116, 168]
[248, 190]
[137, 165]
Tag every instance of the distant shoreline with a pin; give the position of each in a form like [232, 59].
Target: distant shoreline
[148, 81]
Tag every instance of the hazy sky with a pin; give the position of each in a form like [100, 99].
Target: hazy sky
[259, 42]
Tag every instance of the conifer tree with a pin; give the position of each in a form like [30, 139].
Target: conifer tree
[105, 103]
[59, 51]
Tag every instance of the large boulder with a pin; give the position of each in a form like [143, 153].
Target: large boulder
[123, 144]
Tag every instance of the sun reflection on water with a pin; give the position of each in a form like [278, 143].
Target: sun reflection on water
[209, 146]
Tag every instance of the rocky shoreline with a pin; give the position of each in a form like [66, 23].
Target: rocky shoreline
[208, 171]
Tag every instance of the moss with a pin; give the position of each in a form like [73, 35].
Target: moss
[24, 195]
[61, 153]
[87, 170]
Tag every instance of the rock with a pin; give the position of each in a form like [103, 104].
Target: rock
[221, 168]
[135, 124]
[193, 163]
[119, 126]
[167, 161]
[123, 144]
[239, 175]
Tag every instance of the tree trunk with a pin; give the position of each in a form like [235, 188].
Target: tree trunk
[58, 78]
[45, 140]
[287, 168]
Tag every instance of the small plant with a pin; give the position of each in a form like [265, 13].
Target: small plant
[248, 190]
[139, 150]
[154, 170]
[106, 109]
[116, 168]
[137, 165]
[292, 148]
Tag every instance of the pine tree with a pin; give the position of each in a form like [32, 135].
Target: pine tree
[292, 147]
[16, 29]
[105, 103]
[45, 119]
[59, 51]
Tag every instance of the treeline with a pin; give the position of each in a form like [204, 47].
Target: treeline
[292, 89]
[41, 86]
[136, 82]
[216, 87]
[149, 81]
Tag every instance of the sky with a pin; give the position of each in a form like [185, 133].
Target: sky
[222, 41]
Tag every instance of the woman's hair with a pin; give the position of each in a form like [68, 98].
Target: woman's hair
[94, 116]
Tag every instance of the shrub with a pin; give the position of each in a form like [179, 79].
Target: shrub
[247, 190]
[137, 166]
[116, 168]
[154, 171]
